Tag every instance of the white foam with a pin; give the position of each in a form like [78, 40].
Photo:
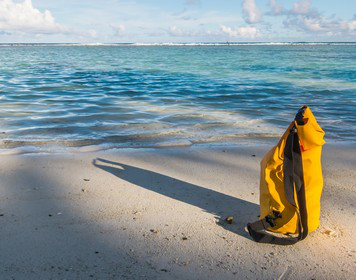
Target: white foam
[177, 143]
[93, 148]
[247, 44]
[98, 44]
[20, 150]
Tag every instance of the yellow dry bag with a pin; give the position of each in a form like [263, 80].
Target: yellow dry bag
[291, 184]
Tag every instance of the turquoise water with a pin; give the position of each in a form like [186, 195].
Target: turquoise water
[130, 95]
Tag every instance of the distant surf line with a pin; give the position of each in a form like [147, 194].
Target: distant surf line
[174, 44]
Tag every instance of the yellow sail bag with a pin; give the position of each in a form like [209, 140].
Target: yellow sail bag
[291, 184]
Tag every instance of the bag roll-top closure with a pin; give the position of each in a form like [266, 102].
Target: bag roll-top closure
[309, 132]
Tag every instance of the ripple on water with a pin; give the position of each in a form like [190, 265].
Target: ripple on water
[146, 96]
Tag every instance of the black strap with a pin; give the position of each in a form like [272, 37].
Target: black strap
[293, 182]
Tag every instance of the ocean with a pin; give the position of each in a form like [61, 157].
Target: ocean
[57, 96]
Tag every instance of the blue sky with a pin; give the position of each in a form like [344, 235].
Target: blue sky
[103, 21]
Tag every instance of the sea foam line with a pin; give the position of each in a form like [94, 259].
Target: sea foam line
[178, 44]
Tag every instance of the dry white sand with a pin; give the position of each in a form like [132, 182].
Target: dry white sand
[159, 214]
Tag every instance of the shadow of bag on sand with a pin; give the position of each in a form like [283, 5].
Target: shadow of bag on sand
[216, 203]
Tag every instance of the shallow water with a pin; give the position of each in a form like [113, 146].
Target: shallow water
[129, 95]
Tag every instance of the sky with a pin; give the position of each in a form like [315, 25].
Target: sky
[149, 21]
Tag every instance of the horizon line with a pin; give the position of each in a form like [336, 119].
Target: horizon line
[192, 42]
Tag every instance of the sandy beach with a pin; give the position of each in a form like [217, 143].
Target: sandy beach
[132, 134]
[159, 214]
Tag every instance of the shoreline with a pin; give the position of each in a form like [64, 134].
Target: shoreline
[114, 147]
[159, 214]
[58, 149]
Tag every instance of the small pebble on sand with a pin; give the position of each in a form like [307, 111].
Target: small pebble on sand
[229, 219]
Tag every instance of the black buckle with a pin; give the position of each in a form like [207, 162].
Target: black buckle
[270, 220]
[276, 214]
[294, 129]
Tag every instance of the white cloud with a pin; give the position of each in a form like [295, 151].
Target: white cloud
[302, 7]
[119, 29]
[322, 25]
[352, 25]
[24, 18]
[304, 18]
[312, 24]
[243, 31]
[276, 8]
[250, 11]
[174, 31]
[92, 33]
[349, 26]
